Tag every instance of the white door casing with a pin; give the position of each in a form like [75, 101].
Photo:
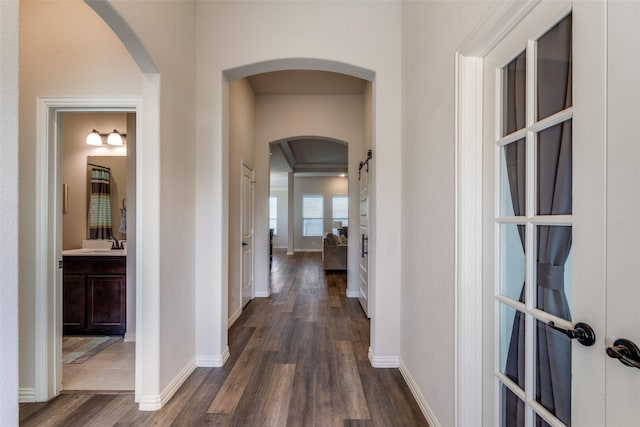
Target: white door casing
[247, 233]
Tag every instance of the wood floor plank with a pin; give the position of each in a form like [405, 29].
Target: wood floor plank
[349, 382]
[276, 407]
[56, 410]
[231, 392]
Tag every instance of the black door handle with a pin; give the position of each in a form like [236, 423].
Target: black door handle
[626, 352]
[581, 331]
[362, 251]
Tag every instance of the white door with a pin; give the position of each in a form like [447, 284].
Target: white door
[544, 215]
[623, 205]
[246, 212]
[363, 239]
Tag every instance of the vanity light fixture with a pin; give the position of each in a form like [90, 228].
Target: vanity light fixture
[114, 138]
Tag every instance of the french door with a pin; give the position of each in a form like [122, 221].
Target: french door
[544, 246]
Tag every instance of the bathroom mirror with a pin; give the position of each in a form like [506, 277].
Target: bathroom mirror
[101, 168]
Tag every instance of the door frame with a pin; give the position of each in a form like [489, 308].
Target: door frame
[468, 328]
[246, 164]
[48, 232]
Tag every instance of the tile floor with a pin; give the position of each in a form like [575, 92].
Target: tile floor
[110, 370]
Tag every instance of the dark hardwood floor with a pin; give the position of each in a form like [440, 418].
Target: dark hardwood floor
[298, 358]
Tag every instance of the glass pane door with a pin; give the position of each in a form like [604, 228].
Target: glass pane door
[533, 230]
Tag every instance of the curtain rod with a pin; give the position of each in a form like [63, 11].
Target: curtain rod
[99, 166]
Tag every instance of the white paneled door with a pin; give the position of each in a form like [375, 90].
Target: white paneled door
[544, 198]
[247, 257]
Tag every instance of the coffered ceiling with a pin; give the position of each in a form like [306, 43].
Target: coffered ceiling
[306, 155]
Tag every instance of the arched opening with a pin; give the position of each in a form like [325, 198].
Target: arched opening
[314, 120]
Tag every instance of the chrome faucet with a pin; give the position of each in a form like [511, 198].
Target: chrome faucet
[115, 244]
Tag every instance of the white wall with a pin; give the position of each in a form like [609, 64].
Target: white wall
[233, 34]
[9, 213]
[241, 147]
[431, 33]
[75, 127]
[325, 186]
[57, 59]
[167, 31]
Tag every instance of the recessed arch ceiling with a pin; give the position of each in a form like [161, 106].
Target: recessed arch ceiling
[309, 155]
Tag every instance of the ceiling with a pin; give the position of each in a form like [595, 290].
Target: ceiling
[305, 82]
[311, 156]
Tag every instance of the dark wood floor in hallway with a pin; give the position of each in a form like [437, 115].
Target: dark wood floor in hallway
[298, 358]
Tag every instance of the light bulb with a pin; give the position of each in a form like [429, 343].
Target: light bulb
[114, 138]
[94, 138]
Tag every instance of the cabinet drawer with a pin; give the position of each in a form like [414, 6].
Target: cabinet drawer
[94, 265]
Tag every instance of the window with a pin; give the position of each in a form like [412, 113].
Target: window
[340, 211]
[273, 214]
[312, 215]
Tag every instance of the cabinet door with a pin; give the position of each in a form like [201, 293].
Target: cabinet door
[106, 304]
[74, 303]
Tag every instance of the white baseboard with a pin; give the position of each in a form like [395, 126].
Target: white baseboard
[383, 361]
[27, 395]
[352, 294]
[417, 394]
[289, 253]
[263, 294]
[154, 402]
[233, 318]
[309, 250]
[213, 361]
[130, 337]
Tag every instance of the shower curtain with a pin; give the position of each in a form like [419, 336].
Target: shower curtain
[100, 205]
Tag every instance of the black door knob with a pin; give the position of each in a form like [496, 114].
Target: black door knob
[581, 332]
[626, 352]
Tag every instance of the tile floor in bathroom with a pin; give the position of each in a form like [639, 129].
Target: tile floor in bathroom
[110, 370]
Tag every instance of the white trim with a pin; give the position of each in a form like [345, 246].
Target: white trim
[289, 253]
[468, 232]
[130, 337]
[494, 26]
[154, 402]
[27, 395]
[48, 287]
[501, 18]
[417, 394]
[262, 294]
[352, 294]
[235, 316]
[213, 361]
[383, 361]
[307, 250]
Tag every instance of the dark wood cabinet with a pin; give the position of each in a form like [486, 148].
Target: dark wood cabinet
[94, 295]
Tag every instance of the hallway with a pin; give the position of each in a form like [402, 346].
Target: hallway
[298, 358]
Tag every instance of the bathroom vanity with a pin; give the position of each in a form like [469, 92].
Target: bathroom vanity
[94, 292]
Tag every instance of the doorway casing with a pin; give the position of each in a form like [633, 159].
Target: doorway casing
[500, 19]
[48, 305]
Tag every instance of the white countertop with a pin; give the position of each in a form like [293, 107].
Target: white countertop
[95, 252]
